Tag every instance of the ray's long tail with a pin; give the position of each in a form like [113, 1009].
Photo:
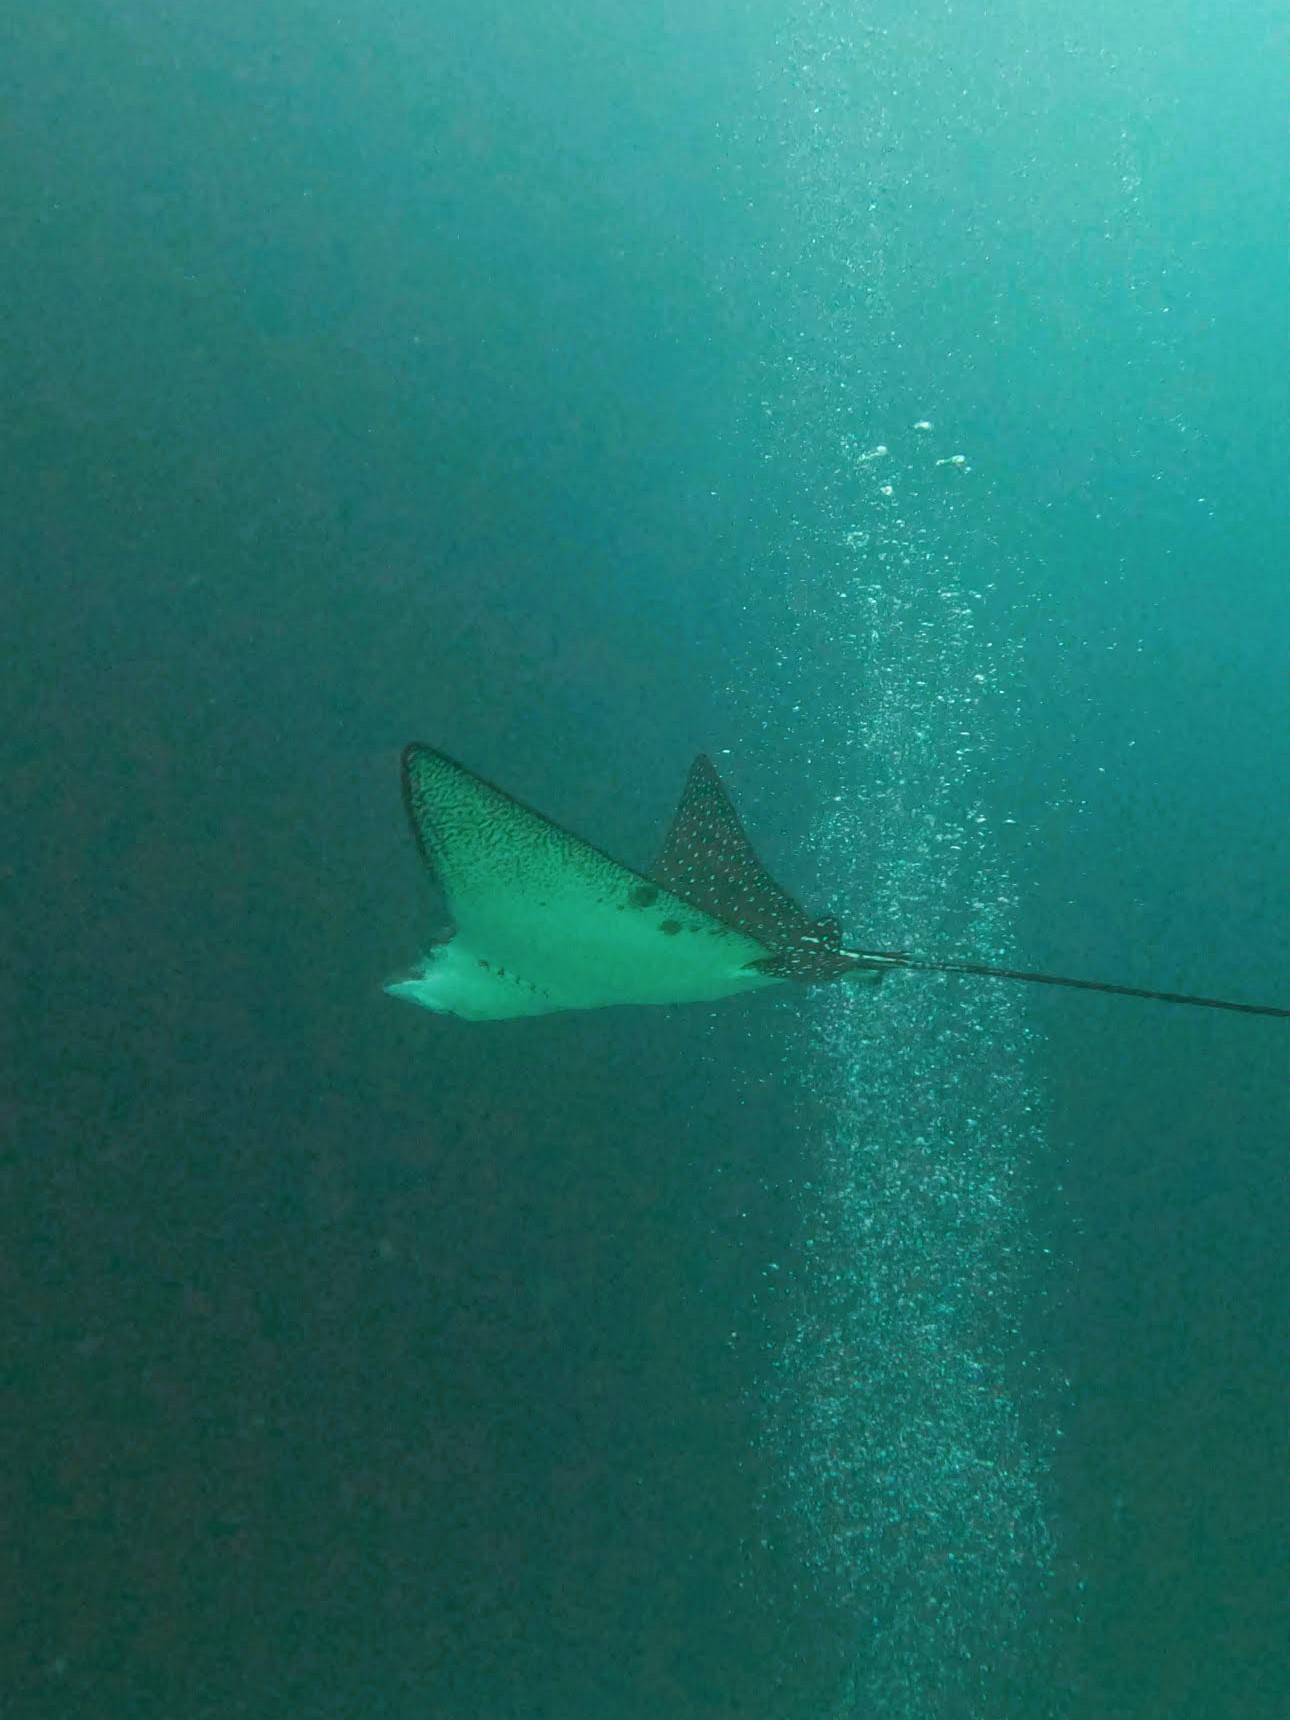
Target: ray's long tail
[884, 960]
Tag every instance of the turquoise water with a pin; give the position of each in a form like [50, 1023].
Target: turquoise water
[891, 406]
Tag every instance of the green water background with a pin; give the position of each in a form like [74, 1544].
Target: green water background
[504, 378]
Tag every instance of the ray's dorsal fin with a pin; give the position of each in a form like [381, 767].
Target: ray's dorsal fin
[707, 860]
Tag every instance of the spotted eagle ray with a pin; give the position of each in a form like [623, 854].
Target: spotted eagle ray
[542, 921]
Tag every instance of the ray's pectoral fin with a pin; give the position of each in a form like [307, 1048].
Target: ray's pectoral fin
[546, 922]
[707, 858]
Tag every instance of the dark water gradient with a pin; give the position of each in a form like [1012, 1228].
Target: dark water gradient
[389, 373]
